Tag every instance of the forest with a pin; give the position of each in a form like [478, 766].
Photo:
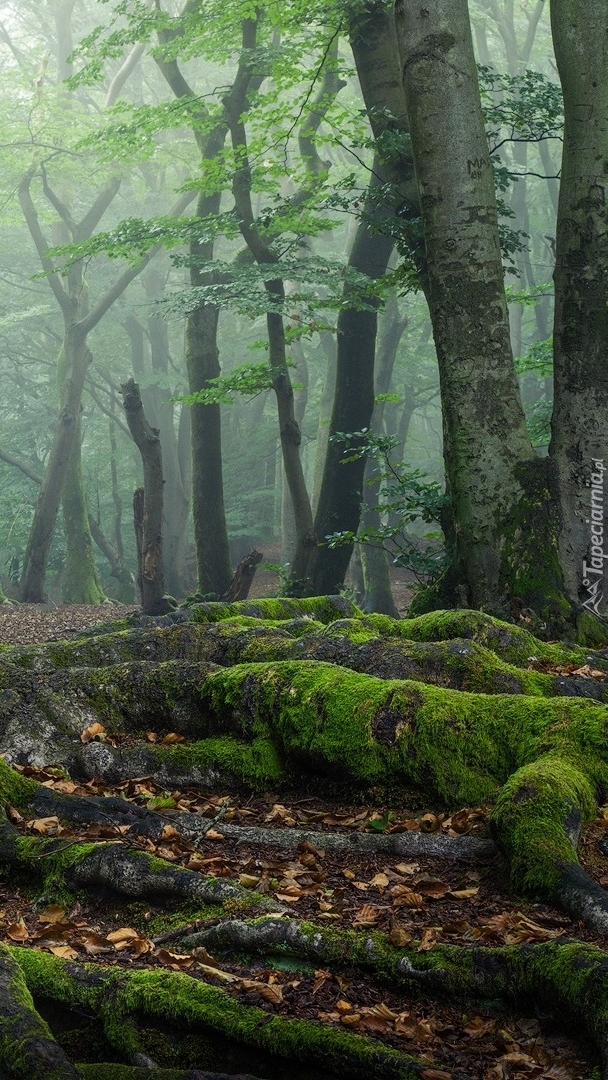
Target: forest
[303, 618]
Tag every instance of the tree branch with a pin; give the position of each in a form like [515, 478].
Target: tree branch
[33, 224]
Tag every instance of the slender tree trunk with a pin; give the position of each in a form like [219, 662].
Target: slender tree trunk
[579, 439]
[80, 584]
[499, 488]
[319, 569]
[150, 521]
[374, 44]
[374, 558]
[328, 342]
[77, 357]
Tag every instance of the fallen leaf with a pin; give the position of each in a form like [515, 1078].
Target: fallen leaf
[53, 914]
[399, 937]
[65, 951]
[172, 738]
[478, 1027]
[95, 731]
[18, 931]
[432, 887]
[428, 940]
[366, 915]
[404, 897]
[122, 936]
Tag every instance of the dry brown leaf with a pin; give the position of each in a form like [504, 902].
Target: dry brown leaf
[174, 960]
[343, 1006]
[366, 915]
[399, 937]
[463, 894]
[66, 952]
[273, 994]
[404, 897]
[435, 1074]
[171, 738]
[211, 971]
[429, 823]
[122, 936]
[45, 825]
[479, 1026]
[151, 736]
[428, 940]
[18, 931]
[95, 731]
[379, 881]
[432, 887]
[352, 1019]
[93, 944]
[54, 913]
[213, 834]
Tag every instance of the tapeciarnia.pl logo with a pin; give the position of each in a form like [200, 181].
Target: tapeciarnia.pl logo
[593, 570]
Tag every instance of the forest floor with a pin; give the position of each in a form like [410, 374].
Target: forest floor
[428, 900]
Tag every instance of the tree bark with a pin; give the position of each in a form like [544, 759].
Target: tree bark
[579, 428]
[214, 570]
[499, 488]
[148, 443]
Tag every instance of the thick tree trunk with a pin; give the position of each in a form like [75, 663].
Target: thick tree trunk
[579, 440]
[499, 488]
[148, 443]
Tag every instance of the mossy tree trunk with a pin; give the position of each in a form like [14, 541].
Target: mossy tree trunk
[579, 429]
[505, 533]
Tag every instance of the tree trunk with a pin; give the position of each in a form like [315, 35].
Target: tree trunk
[499, 488]
[243, 577]
[374, 558]
[320, 570]
[579, 439]
[374, 45]
[80, 583]
[148, 443]
[77, 357]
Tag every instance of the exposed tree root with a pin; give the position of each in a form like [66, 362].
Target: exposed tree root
[132, 873]
[540, 759]
[569, 978]
[118, 997]
[27, 1048]
[146, 823]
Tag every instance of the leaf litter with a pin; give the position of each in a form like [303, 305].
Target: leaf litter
[422, 902]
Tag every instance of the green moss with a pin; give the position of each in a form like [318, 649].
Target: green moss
[176, 998]
[513, 643]
[257, 765]
[15, 789]
[324, 609]
[591, 632]
[456, 746]
[536, 819]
